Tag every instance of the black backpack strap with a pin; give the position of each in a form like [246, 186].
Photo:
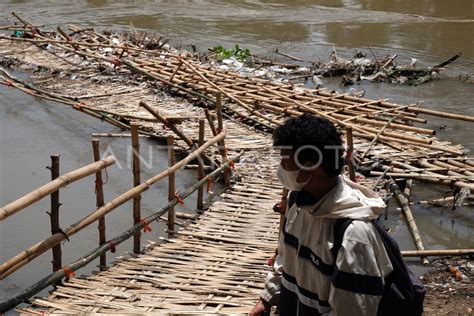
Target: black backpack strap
[339, 228]
[292, 198]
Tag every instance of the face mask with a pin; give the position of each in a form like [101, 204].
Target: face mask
[288, 179]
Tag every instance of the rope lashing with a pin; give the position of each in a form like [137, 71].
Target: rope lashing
[146, 227]
[178, 198]
[209, 184]
[111, 246]
[68, 272]
[116, 62]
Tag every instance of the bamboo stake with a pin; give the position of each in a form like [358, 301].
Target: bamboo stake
[349, 154]
[34, 251]
[52, 186]
[83, 261]
[54, 215]
[211, 122]
[136, 181]
[171, 185]
[404, 203]
[220, 127]
[200, 192]
[438, 253]
[99, 196]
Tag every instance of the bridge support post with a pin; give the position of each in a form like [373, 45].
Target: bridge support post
[54, 214]
[220, 128]
[200, 192]
[171, 184]
[136, 181]
[99, 196]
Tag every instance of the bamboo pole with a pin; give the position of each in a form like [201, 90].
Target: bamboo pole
[242, 104]
[426, 176]
[350, 153]
[28, 88]
[171, 185]
[192, 90]
[469, 171]
[424, 163]
[434, 177]
[220, 127]
[54, 215]
[52, 186]
[211, 122]
[376, 137]
[438, 253]
[407, 193]
[200, 191]
[171, 126]
[176, 130]
[83, 261]
[136, 181]
[404, 203]
[364, 132]
[99, 196]
[115, 135]
[413, 109]
[34, 251]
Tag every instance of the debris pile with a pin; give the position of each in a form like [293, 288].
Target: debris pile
[386, 69]
[450, 287]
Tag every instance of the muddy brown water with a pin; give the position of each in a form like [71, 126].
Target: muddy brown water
[31, 129]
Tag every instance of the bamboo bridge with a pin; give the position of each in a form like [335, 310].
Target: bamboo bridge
[217, 262]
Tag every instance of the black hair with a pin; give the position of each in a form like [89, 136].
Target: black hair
[309, 130]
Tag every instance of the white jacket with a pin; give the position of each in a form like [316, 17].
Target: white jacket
[306, 278]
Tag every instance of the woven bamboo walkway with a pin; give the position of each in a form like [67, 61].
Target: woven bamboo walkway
[217, 264]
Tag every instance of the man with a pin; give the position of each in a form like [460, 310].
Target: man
[308, 279]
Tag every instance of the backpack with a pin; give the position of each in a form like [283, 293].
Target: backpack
[403, 292]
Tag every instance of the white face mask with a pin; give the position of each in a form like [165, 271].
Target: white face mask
[288, 179]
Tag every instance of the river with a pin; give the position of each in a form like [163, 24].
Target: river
[31, 130]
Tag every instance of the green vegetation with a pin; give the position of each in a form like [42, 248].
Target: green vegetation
[236, 52]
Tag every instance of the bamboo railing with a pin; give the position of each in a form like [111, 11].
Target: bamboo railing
[53, 186]
[83, 261]
[39, 248]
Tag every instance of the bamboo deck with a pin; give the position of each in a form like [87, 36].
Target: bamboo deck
[214, 265]
[217, 264]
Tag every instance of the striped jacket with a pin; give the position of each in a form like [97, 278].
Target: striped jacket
[307, 279]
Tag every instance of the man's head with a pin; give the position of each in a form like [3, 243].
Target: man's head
[310, 144]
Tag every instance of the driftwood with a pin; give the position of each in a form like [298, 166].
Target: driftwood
[385, 70]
